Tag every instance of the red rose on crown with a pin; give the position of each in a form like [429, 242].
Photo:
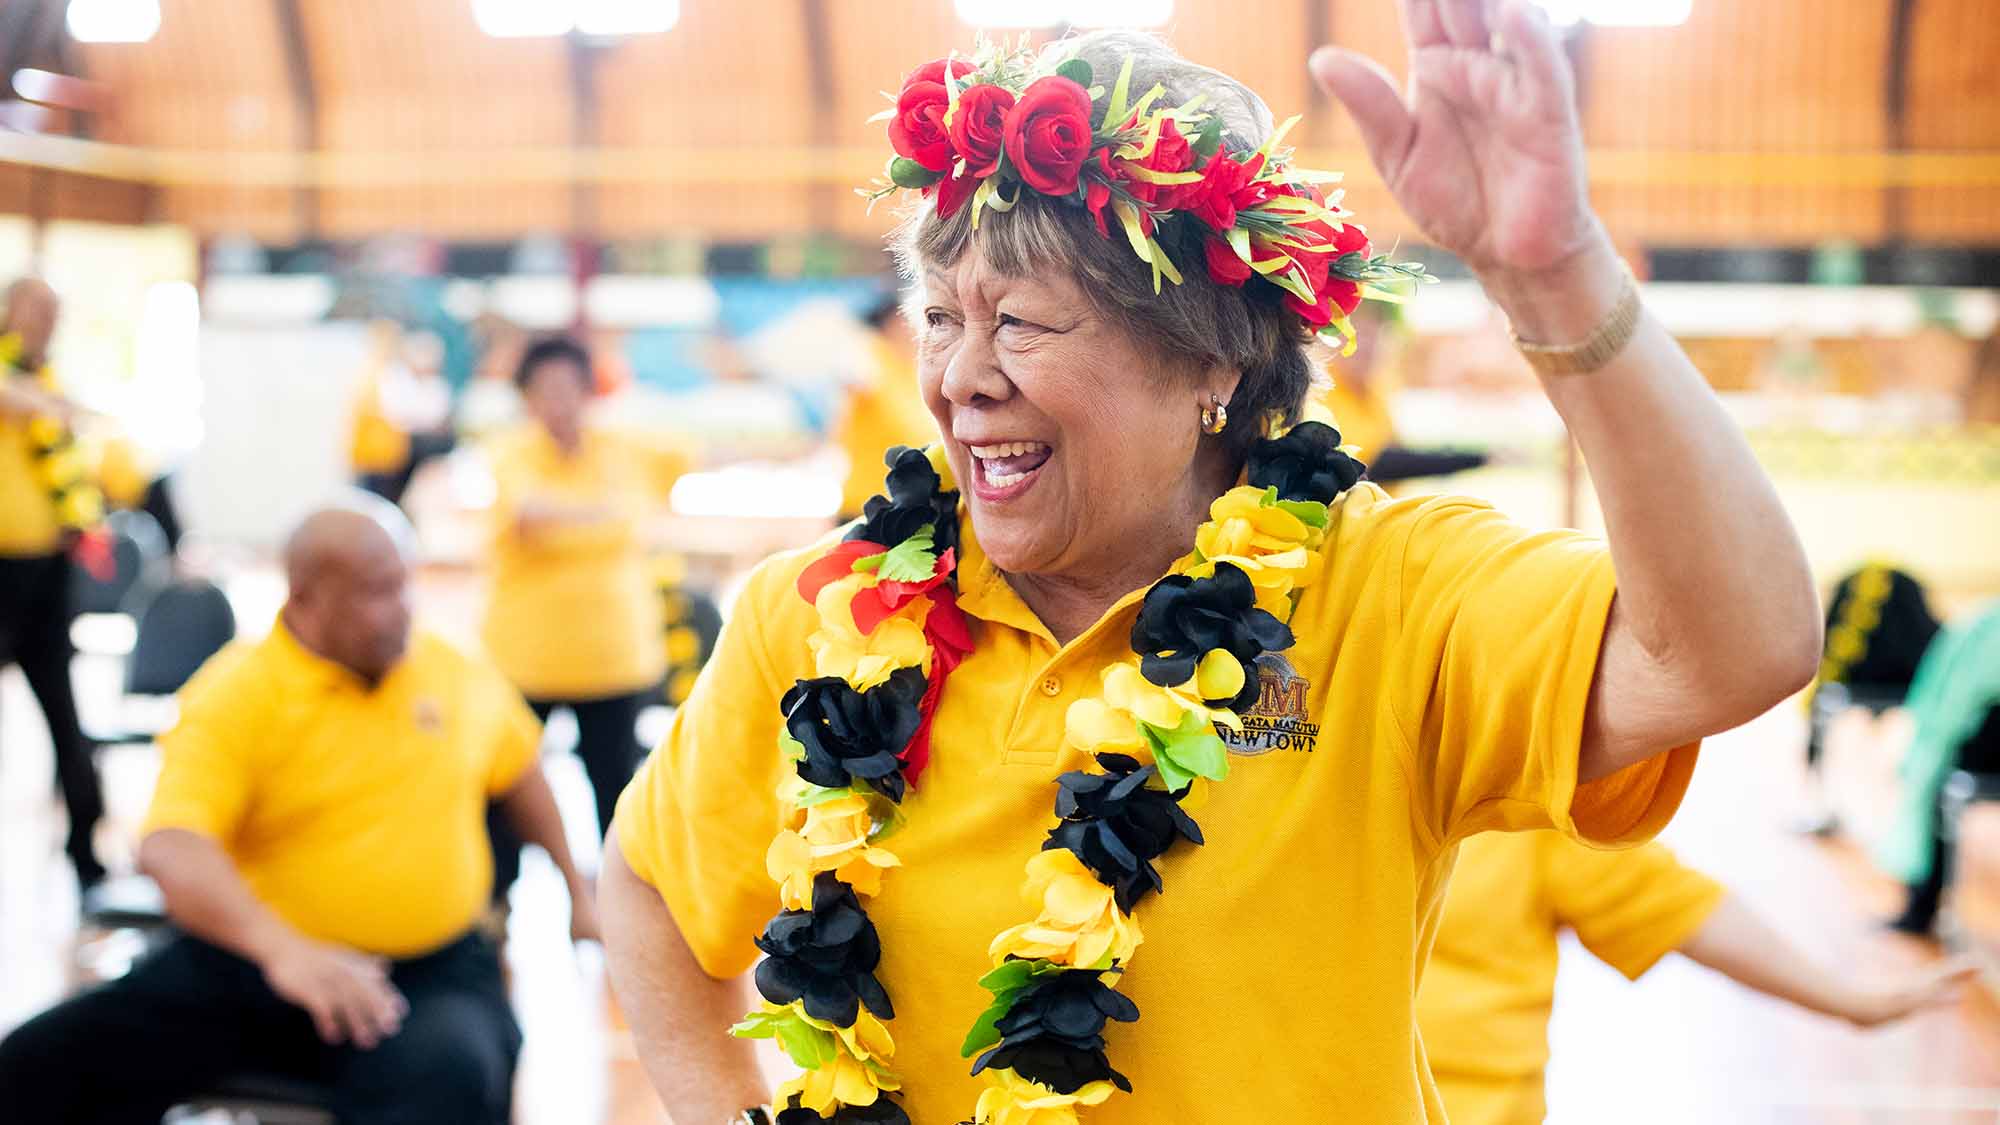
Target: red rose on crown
[917, 129]
[1226, 188]
[1049, 134]
[978, 126]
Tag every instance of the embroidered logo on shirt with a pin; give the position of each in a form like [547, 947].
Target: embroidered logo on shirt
[429, 716]
[1279, 721]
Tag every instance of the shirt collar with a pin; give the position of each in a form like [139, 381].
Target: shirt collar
[312, 670]
[983, 591]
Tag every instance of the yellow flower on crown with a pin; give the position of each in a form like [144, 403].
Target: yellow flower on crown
[1010, 1099]
[1080, 924]
[1109, 724]
[830, 836]
[864, 660]
[845, 1080]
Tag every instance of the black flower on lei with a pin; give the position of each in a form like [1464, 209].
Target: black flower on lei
[825, 956]
[881, 1112]
[1183, 618]
[1053, 1034]
[1117, 826]
[914, 498]
[1305, 464]
[850, 735]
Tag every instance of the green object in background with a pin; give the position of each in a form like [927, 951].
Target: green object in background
[1838, 262]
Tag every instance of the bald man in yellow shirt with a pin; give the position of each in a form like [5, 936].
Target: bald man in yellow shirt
[1486, 996]
[319, 834]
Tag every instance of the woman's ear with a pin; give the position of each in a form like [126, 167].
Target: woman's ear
[1220, 380]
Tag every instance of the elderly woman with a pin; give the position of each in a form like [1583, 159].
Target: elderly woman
[1337, 687]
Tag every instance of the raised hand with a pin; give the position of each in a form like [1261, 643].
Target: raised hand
[1485, 153]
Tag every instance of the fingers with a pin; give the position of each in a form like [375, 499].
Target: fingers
[1464, 23]
[1948, 977]
[370, 1011]
[1371, 99]
[1530, 41]
[324, 1024]
[1422, 24]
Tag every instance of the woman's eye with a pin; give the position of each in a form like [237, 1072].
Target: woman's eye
[934, 317]
[1009, 321]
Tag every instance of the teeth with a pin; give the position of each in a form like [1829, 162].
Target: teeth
[1006, 449]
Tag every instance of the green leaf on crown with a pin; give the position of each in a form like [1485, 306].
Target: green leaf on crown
[907, 173]
[1208, 138]
[1186, 752]
[1077, 71]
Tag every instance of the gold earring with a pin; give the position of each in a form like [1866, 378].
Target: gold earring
[1214, 417]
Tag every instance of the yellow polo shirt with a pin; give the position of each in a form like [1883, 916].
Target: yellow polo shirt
[358, 815]
[1437, 690]
[1361, 414]
[1485, 1002]
[574, 613]
[885, 412]
[29, 524]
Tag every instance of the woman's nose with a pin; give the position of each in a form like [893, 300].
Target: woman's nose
[973, 372]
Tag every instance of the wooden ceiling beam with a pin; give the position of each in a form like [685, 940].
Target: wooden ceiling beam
[304, 85]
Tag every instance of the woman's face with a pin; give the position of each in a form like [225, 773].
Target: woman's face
[1073, 448]
[555, 395]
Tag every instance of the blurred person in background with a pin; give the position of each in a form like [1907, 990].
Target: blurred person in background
[47, 503]
[1955, 702]
[318, 833]
[573, 618]
[403, 417]
[1982, 388]
[1878, 626]
[1488, 992]
[1362, 389]
[884, 409]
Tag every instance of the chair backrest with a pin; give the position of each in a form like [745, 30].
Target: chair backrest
[139, 556]
[180, 627]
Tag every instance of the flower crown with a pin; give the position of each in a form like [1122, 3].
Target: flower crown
[983, 129]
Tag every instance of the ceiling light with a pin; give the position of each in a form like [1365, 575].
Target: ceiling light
[113, 21]
[517, 19]
[627, 17]
[1620, 13]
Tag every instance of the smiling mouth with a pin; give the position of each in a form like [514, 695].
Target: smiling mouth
[1003, 466]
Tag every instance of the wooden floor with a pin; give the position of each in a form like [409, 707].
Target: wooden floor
[1682, 1045]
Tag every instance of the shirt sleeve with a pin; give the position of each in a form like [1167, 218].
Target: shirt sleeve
[699, 815]
[517, 735]
[1493, 661]
[205, 757]
[1629, 908]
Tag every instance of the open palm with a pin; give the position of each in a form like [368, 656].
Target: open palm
[1485, 152]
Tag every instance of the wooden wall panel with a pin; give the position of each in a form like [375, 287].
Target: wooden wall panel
[401, 77]
[1954, 105]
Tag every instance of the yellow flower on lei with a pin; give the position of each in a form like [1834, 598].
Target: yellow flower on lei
[1080, 924]
[843, 1080]
[1110, 724]
[1010, 1099]
[1275, 549]
[841, 649]
[830, 836]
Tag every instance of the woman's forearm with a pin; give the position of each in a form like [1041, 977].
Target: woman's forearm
[680, 1016]
[1713, 586]
[1740, 945]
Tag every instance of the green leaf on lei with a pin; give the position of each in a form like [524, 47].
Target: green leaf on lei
[1188, 751]
[1005, 983]
[912, 560]
[1312, 513]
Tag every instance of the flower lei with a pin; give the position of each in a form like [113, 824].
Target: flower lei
[58, 462]
[858, 735]
[982, 130]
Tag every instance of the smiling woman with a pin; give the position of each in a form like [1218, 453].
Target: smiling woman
[1269, 754]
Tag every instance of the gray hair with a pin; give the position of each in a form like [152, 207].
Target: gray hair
[1193, 326]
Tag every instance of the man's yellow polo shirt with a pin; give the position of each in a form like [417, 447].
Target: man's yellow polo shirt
[358, 815]
[574, 614]
[1484, 1007]
[1437, 689]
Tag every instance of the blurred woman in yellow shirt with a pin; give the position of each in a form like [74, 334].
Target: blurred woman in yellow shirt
[573, 618]
[884, 409]
[1484, 1005]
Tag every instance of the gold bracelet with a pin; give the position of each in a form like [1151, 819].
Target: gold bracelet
[1595, 350]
